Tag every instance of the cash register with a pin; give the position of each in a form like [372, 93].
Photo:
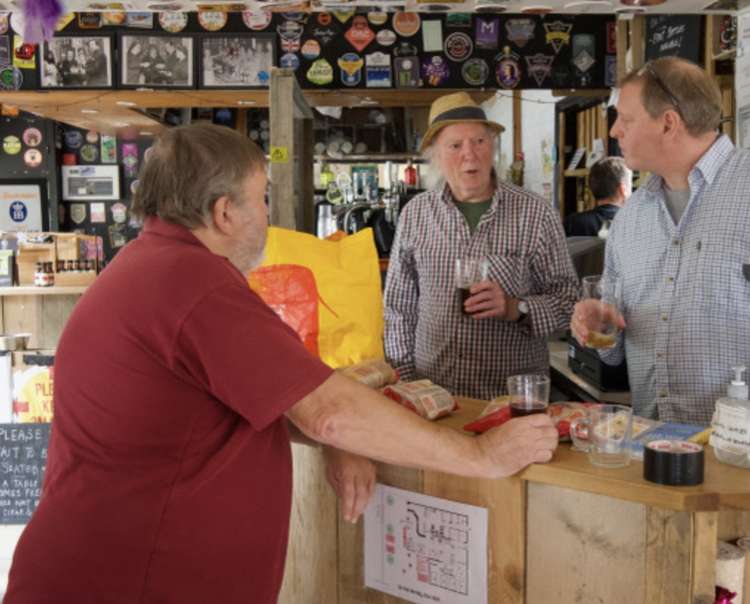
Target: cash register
[587, 254]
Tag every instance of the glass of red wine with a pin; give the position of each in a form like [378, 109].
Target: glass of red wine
[529, 394]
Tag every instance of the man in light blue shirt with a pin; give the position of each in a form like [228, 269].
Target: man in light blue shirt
[678, 246]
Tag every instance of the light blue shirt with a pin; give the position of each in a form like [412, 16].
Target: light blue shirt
[685, 300]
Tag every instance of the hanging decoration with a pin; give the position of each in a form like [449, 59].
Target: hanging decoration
[41, 17]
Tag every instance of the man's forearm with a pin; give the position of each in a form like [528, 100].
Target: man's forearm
[349, 416]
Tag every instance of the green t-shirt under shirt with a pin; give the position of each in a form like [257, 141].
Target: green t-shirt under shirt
[473, 211]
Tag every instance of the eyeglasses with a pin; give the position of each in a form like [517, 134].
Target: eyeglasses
[648, 68]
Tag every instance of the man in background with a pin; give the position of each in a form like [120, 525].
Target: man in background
[610, 183]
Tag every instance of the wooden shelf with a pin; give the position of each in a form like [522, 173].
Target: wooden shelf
[31, 290]
[372, 158]
[579, 173]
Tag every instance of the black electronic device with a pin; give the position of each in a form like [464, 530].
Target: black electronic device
[585, 362]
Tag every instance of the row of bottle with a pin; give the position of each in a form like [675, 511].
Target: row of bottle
[44, 276]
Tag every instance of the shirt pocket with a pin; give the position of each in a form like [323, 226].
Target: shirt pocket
[723, 286]
[512, 272]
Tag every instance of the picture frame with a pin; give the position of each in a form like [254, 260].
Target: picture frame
[236, 60]
[77, 61]
[156, 60]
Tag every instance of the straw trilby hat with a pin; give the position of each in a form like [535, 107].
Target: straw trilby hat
[456, 108]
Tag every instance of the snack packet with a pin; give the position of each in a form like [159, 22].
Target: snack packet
[423, 397]
[375, 373]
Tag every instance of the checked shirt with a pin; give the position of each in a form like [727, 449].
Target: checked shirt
[427, 335]
[686, 300]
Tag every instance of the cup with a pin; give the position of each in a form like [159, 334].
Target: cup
[469, 271]
[608, 294]
[528, 393]
[604, 433]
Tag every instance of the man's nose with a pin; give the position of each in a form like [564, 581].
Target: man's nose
[468, 149]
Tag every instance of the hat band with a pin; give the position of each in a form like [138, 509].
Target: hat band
[461, 113]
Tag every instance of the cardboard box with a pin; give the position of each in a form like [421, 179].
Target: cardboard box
[29, 254]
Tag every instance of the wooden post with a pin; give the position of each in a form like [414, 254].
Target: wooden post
[638, 40]
[708, 46]
[517, 125]
[241, 125]
[622, 49]
[561, 163]
[291, 180]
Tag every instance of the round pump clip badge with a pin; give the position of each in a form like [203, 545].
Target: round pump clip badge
[310, 49]
[32, 137]
[32, 158]
[475, 72]
[257, 19]
[12, 144]
[173, 21]
[212, 20]
[119, 212]
[458, 46]
[289, 60]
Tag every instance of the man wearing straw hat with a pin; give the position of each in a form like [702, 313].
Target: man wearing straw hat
[528, 288]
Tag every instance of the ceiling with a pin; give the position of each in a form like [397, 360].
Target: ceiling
[510, 6]
[113, 111]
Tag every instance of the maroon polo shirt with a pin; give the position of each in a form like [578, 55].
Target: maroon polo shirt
[169, 469]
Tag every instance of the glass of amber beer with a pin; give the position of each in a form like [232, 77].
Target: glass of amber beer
[608, 294]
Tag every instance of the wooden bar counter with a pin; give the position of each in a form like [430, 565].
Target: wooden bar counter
[563, 532]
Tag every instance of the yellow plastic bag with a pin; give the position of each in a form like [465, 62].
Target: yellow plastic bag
[345, 326]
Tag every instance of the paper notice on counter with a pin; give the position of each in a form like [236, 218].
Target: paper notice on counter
[425, 549]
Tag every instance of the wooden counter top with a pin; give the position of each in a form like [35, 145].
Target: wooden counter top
[725, 486]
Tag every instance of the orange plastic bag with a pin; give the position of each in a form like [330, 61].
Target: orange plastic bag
[291, 291]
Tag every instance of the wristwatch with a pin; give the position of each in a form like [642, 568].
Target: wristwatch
[523, 310]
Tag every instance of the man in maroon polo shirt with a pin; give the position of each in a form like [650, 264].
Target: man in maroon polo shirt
[169, 470]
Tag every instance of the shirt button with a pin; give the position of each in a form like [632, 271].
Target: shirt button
[670, 279]
[663, 394]
[664, 317]
[659, 355]
[675, 242]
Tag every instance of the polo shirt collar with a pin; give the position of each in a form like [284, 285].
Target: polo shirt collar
[154, 225]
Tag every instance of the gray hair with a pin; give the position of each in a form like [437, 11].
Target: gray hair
[190, 168]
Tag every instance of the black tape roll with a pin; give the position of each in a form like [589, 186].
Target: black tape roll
[673, 463]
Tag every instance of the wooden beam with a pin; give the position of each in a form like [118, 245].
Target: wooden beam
[517, 126]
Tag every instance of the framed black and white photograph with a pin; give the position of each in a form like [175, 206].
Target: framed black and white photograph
[156, 61]
[236, 61]
[76, 62]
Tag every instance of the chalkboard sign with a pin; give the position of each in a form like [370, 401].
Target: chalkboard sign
[674, 36]
[23, 457]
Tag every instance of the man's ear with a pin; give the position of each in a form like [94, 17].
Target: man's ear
[672, 121]
[222, 216]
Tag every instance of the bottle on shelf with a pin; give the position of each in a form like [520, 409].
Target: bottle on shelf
[410, 176]
[326, 176]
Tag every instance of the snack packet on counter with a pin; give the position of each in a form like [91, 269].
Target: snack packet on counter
[423, 397]
[497, 412]
[375, 373]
